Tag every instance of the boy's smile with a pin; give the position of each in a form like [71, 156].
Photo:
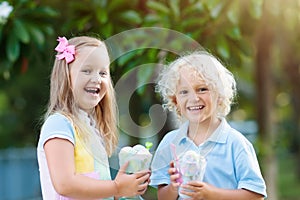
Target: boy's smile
[195, 108]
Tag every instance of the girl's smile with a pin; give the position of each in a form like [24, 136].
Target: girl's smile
[93, 91]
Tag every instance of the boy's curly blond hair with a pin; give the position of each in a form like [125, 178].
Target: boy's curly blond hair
[217, 77]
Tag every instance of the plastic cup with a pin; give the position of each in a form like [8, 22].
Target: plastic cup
[139, 159]
[191, 167]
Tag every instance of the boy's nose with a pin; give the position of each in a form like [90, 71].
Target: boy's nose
[194, 96]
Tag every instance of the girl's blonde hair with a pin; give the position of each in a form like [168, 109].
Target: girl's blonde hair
[210, 69]
[62, 99]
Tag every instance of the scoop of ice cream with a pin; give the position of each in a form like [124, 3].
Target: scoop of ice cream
[191, 163]
[138, 156]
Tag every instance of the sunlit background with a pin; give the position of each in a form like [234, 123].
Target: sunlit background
[258, 40]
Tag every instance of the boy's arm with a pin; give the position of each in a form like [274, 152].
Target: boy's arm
[238, 194]
[201, 190]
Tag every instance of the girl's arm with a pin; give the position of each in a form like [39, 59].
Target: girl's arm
[204, 191]
[60, 159]
[167, 192]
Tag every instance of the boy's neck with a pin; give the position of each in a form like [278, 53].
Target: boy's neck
[199, 132]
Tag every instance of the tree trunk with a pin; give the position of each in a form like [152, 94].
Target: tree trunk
[264, 99]
[292, 70]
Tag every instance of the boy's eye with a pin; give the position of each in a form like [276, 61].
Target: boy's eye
[182, 92]
[203, 89]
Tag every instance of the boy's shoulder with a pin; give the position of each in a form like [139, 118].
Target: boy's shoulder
[236, 138]
[176, 134]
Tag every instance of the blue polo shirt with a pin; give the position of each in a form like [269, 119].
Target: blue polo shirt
[231, 159]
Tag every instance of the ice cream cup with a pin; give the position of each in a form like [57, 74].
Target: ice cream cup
[191, 167]
[139, 159]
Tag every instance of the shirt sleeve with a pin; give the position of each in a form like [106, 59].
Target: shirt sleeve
[56, 126]
[248, 171]
[161, 163]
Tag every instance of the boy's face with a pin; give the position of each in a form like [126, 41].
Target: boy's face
[193, 97]
[90, 77]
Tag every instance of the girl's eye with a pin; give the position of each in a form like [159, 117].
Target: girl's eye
[86, 71]
[104, 73]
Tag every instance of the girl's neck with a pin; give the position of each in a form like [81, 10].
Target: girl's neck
[199, 132]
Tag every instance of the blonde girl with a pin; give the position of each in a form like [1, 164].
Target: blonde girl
[79, 132]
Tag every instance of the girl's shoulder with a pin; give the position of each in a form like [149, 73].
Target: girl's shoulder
[56, 125]
[59, 122]
[58, 118]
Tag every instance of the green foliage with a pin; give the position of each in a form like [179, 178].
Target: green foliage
[214, 24]
[28, 24]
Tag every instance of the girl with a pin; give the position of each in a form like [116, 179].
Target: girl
[79, 131]
[200, 90]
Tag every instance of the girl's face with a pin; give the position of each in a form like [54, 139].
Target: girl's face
[90, 77]
[194, 99]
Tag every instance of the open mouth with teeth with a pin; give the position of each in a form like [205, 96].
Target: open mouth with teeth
[195, 108]
[92, 90]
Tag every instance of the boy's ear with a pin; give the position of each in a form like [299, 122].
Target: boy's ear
[173, 99]
[219, 101]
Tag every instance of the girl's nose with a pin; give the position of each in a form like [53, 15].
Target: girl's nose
[96, 78]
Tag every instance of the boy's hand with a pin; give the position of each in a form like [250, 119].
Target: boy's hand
[198, 190]
[174, 177]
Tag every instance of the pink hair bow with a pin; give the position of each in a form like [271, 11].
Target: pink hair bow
[67, 51]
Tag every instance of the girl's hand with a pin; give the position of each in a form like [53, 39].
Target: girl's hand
[131, 184]
[174, 177]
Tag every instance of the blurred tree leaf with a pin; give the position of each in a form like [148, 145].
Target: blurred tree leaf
[215, 8]
[102, 16]
[12, 47]
[223, 48]
[256, 8]
[22, 32]
[175, 9]
[37, 34]
[234, 33]
[131, 17]
[159, 7]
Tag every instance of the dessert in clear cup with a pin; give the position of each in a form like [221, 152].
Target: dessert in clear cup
[191, 166]
[139, 157]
